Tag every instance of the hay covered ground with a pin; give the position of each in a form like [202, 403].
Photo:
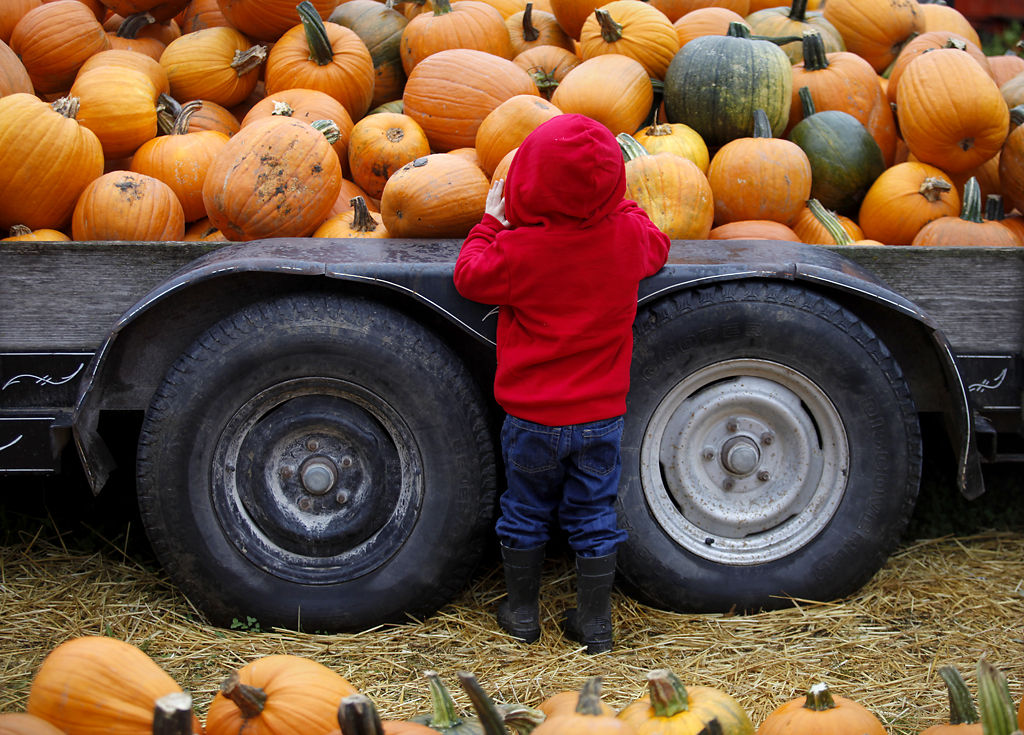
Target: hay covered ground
[953, 592]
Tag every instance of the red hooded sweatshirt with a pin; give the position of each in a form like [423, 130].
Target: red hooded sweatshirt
[564, 275]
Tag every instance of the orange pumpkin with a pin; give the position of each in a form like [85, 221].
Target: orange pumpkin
[268, 20]
[211, 116]
[13, 75]
[451, 92]
[324, 56]
[756, 229]
[467, 24]
[571, 14]
[357, 222]
[125, 205]
[348, 191]
[507, 125]
[101, 683]
[565, 702]
[760, 177]
[439, 195]
[613, 89]
[928, 42]
[903, 199]
[970, 124]
[547, 66]
[632, 29]
[963, 717]
[967, 229]
[676, 9]
[119, 105]
[712, 21]
[127, 59]
[380, 145]
[47, 158]
[501, 170]
[11, 12]
[201, 229]
[874, 29]
[159, 10]
[670, 708]
[1011, 162]
[54, 39]
[589, 716]
[279, 694]
[821, 712]
[276, 177]
[181, 160]
[217, 64]
[200, 14]
[530, 27]
[22, 723]
[127, 36]
[20, 233]
[941, 17]
[809, 227]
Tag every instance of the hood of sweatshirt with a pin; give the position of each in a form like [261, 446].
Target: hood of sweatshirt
[568, 172]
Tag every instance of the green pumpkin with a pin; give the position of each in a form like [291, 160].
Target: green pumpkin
[793, 21]
[845, 159]
[715, 83]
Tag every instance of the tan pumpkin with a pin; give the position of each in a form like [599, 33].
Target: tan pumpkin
[119, 105]
[613, 89]
[13, 75]
[181, 160]
[125, 205]
[677, 138]
[507, 125]
[450, 93]
[327, 57]
[547, 66]
[970, 123]
[356, 222]
[47, 157]
[268, 20]
[380, 145]
[712, 21]
[54, 39]
[874, 29]
[903, 199]
[464, 24]
[92, 683]
[216, 64]
[276, 177]
[439, 195]
[632, 29]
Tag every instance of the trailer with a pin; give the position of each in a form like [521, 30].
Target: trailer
[315, 436]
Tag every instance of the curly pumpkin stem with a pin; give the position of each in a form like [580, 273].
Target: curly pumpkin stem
[444, 715]
[589, 702]
[249, 60]
[20, 230]
[172, 714]
[961, 708]
[134, 23]
[361, 219]
[184, 117]
[486, 711]
[521, 719]
[830, 222]
[167, 111]
[611, 31]
[250, 700]
[319, 44]
[545, 80]
[329, 128]
[994, 700]
[66, 106]
[530, 32]
[358, 716]
[933, 187]
[819, 698]
[667, 692]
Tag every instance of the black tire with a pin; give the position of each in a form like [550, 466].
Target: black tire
[317, 462]
[772, 450]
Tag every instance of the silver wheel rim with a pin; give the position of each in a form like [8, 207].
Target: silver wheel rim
[745, 461]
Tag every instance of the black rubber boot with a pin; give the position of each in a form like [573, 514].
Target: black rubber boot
[590, 622]
[519, 613]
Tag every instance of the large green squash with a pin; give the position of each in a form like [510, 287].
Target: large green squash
[845, 159]
[715, 83]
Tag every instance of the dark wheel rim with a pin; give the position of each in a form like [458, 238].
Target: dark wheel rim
[744, 462]
[316, 480]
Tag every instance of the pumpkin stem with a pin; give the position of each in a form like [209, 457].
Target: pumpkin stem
[994, 700]
[806, 102]
[830, 222]
[544, 79]
[631, 147]
[712, 727]
[248, 60]
[282, 108]
[20, 230]
[134, 23]
[762, 125]
[667, 692]
[184, 116]
[358, 716]
[361, 219]
[1017, 115]
[442, 7]
[933, 187]
[486, 711]
[172, 714]
[610, 30]
[167, 111]
[798, 11]
[329, 128]
[819, 698]
[971, 208]
[957, 43]
[66, 106]
[521, 719]
[994, 212]
[738, 30]
[320, 49]
[444, 715]
[589, 702]
[530, 32]
[961, 708]
[815, 58]
[249, 699]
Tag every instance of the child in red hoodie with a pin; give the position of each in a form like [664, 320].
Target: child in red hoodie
[563, 269]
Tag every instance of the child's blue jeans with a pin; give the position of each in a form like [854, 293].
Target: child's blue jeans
[564, 473]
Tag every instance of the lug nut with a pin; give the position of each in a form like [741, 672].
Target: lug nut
[764, 476]
[708, 454]
[767, 438]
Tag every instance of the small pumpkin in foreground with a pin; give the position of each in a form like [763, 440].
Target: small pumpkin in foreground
[821, 711]
[356, 222]
[670, 708]
[20, 233]
[968, 229]
[903, 199]
[963, 717]
[753, 229]
[127, 205]
[589, 716]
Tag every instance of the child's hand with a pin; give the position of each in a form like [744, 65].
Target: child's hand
[495, 205]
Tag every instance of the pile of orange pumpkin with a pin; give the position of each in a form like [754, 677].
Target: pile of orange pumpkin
[859, 121]
[95, 684]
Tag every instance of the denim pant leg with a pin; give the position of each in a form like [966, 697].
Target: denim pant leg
[587, 511]
[534, 474]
